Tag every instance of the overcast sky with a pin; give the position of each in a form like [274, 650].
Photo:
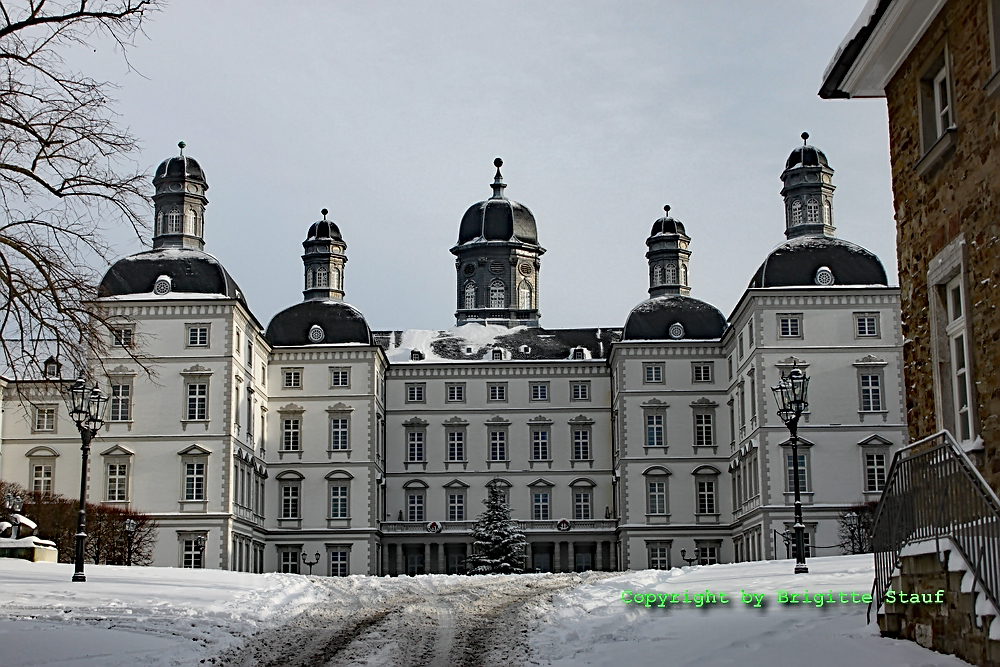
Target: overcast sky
[390, 115]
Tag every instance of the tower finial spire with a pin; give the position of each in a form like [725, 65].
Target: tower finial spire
[181, 145]
[666, 209]
[805, 138]
[498, 184]
[324, 212]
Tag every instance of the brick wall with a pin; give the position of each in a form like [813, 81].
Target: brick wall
[959, 197]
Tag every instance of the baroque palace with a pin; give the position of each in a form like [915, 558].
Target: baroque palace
[616, 448]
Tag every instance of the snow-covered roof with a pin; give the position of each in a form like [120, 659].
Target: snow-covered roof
[471, 342]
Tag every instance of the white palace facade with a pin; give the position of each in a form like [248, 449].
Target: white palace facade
[616, 448]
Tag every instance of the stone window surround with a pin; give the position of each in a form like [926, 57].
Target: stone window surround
[489, 392]
[456, 425]
[197, 374]
[710, 365]
[288, 377]
[585, 384]
[41, 456]
[657, 473]
[804, 447]
[337, 478]
[707, 473]
[456, 487]
[586, 424]
[291, 411]
[878, 325]
[659, 544]
[118, 455]
[460, 392]
[650, 408]
[337, 411]
[289, 478]
[414, 425]
[874, 444]
[704, 406]
[340, 369]
[544, 392]
[330, 549]
[871, 365]
[188, 326]
[419, 392]
[935, 147]
[647, 373]
[539, 424]
[36, 408]
[791, 316]
[194, 454]
[122, 376]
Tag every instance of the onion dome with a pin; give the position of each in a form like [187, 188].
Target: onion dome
[165, 271]
[180, 167]
[667, 225]
[676, 317]
[498, 218]
[806, 156]
[319, 322]
[819, 260]
[324, 229]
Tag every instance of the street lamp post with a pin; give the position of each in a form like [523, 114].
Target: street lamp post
[310, 563]
[689, 561]
[130, 526]
[87, 410]
[790, 395]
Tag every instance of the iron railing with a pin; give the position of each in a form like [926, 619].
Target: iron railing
[934, 491]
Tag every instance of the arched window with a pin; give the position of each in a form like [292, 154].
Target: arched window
[309, 279]
[829, 212]
[470, 295]
[657, 275]
[322, 277]
[524, 296]
[670, 274]
[812, 212]
[335, 278]
[174, 221]
[684, 275]
[796, 212]
[192, 222]
[497, 297]
[159, 223]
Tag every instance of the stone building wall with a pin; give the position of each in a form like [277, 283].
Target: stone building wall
[955, 199]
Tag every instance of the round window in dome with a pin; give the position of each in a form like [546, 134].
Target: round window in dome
[676, 330]
[161, 286]
[469, 269]
[824, 276]
[525, 269]
[316, 333]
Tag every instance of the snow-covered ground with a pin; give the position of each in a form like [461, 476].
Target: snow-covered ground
[166, 616]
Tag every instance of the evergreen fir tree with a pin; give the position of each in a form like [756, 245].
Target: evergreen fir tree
[499, 547]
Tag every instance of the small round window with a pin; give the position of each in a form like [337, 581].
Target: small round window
[161, 287]
[824, 276]
[676, 330]
[316, 333]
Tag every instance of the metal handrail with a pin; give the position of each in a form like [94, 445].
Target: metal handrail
[933, 490]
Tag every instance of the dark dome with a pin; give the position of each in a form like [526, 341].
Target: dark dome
[339, 322]
[806, 156]
[179, 166]
[498, 219]
[795, 263]
[667, 225]
[324, 229]
[653, 318]
[190, 271]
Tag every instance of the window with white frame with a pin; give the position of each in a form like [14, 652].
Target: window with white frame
[497, 354]
[456, 444]
[580, 391]
[338, 434]
[455, 392]
[415, 506]
[540, 505]
[415, 392]
[470, 295]
[292, 378]
[524, 296]
[874, 472]
[122, 336]
[194, 480]
[936, 110]
[540, 444]
[796, 212]
[45, 418]
[706, 496]
[120, 408]
[670, 273]
[415, 446]
[41, 477]
[578, 354]
[540, 391]
[289, 492]
[789, 326]
[790, 472]
[581, 505]
[340, 377]
[338, 501]
[701, 371]
[498, 392]
[656, 498]
[498, 445]
[497, 295]
[652, 373]
[197, 401]
[871, 392]
[581, 444]
[812, 212]
[456, 505]
[117, 487]
[291, 434]
[704, 435]
[866, 325]
[192, 555]
[288, 559]
[708, 554]
[654, 429]
[961, 378]
[340, 562]
[659, 556]
[197, 335]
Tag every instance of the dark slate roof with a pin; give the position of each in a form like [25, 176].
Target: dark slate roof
[806, 156]
[341, 323]
[667, 225]
[651, 319]
[794, 263]
[179, 166]
[498, 219]
[190, 271]
[324, 229]
[521, 344]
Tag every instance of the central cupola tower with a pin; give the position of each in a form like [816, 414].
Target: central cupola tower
[179, 203]
[497, 262]
[324, 261]
[668, 257]
[808, 192]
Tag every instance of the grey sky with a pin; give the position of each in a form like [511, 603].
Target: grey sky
[390, 115]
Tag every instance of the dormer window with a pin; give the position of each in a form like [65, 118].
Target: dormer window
[416, 355]
[796, 212]
[51, 368]
[578, 353]
[497, 354]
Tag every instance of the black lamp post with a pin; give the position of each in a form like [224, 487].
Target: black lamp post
[14, 504]
[790, 395]
[130, 526]
[87, 410]
[689, 561]
[310, 563]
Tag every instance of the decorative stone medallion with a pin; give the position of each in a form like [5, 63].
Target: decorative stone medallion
[316, 334]
[525, 269]
[676, 330]
[496, 267]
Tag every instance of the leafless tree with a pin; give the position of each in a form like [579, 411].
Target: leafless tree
[855, 526]
[67, 174]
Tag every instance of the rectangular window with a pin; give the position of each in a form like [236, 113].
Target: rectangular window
[540, 506]
[790, 477]
[192, 554]
[339, 563]
[340, 377]
[707, 554]
[415, 506]
[740, 345]
[657, 497]
[45, 418]
[338, 502]
[197, 335]
[117, 482]
[415, 392]
[789, 326]
[289, 501]
[540, 392]
[703, 436]
[289, 561]
[701, 372]
[338, 433]
[653, 373]
[729, 366]
[654, 430]
[290, 435]
[540, 445]
[874, 473]
[456, 393]
[580, 391]
[456, 507]
[871, 393]
[456, 445]
[41, 478]
[659, 558]
[197, 401]
[122, 337]
[194, 481]
[498, 392]
[581, 444]
[581, 505]
[498, 445]
[706, 496]
[866, 325]
[415, 451]
[293, 378]
[942, 101]
[121, 403]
